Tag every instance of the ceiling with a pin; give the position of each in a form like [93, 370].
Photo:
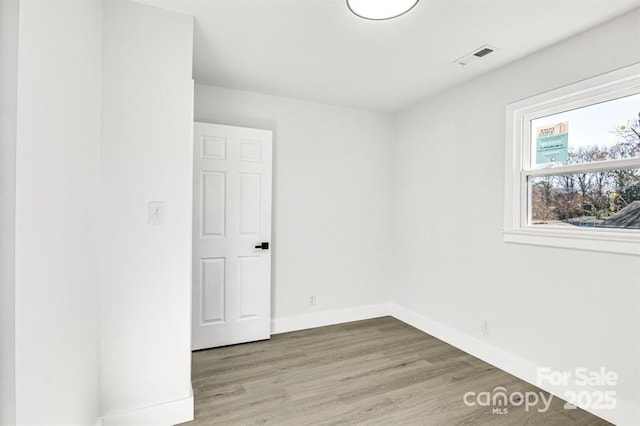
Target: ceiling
[317, 50]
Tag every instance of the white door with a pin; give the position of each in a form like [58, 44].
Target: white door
[231, 297]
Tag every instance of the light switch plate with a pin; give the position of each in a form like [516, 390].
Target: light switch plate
[156, 212]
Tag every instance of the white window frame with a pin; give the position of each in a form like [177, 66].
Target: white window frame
[616, 84]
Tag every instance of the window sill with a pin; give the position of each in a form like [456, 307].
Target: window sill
[606, 241]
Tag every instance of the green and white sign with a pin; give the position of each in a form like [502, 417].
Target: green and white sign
[552, 143]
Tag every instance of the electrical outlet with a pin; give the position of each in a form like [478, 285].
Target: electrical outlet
[312, 300]
[484, 326]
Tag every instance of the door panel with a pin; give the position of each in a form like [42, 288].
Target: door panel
[232, 215]
[213, 204]
[249, 286]
[249, 204]
[213, 281]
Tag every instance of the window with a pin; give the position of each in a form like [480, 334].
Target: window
[573, 166]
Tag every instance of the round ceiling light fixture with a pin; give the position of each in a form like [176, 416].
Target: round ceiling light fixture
[378, 10]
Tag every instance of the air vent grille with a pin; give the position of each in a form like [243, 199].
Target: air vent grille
[478, 53]
[483, 52]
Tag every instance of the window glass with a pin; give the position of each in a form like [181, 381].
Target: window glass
[603, 199]
[605, 131]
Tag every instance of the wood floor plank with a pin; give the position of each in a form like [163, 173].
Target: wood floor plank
[373, 372]
[320, 372]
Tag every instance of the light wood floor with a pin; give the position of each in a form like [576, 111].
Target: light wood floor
[378, 371]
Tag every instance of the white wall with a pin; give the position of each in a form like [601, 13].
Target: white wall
[556, 308]
[147, 91]
[331, 199]
[9, 12]
[57, 168]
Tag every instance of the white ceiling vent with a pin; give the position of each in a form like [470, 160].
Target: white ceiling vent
[478, 53]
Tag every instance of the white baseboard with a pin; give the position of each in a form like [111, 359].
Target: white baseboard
[166, 414]
[624, 413]
[324, 318]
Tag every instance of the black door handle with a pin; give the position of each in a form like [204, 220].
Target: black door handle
[263, 246]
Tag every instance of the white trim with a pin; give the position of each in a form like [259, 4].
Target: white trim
[165, 414]
[582, 239]
[625, 413]
[324, 318]
[517, 151]
[596, 166]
